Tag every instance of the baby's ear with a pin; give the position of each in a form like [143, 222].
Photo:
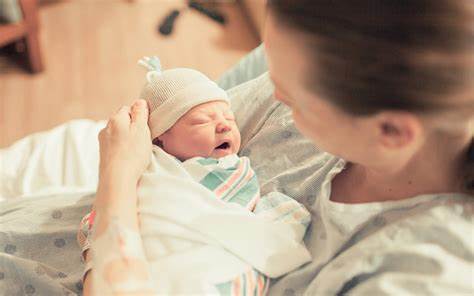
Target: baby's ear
[157, 142]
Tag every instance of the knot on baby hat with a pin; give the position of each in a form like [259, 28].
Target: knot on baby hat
[172, 93]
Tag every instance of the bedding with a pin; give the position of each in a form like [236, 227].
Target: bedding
[249, 67]
[38, 250]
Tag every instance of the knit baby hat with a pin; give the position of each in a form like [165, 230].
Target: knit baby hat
[172, 93]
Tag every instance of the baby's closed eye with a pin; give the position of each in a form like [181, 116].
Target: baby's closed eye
[230, 117]
[200, 120]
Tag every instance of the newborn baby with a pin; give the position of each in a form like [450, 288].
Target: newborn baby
[189, 114]
[195, 182]
[191, 119]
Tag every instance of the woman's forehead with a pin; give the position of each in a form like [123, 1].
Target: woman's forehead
[288, 64]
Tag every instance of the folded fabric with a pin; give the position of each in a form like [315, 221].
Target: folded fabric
[195, 239]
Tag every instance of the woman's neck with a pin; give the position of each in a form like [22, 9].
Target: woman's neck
[434, 169]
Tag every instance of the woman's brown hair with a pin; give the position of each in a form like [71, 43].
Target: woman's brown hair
[411, 55]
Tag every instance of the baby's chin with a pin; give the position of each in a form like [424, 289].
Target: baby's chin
[219, 153]
[216, 153]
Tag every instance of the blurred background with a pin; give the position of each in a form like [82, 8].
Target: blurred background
[68, 59]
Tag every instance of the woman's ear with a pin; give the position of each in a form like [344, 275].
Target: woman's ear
[398, 129]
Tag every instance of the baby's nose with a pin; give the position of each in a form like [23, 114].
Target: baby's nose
[223, 127]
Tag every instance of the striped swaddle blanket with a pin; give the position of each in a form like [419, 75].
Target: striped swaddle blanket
[233, 180]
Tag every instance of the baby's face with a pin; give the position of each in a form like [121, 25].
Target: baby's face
[207, 130]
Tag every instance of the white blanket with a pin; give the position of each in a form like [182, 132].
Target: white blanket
[64, 159]
[194, 240]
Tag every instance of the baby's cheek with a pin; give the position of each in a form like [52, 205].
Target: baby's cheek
[202, 141]
[237, 139]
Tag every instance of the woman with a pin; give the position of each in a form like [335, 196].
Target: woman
[388, 87]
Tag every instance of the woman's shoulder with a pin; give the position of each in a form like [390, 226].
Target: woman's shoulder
[437, 211]
[426, 246]
[446, 220]
[457, 204]
[430, 218]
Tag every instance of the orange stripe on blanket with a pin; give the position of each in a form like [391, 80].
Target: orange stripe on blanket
[225, 186]
[248, 176]
[250, 282]
[236, 287]
[253, 201]
[261, 286]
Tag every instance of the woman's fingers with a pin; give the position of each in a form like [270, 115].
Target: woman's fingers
[139, 113]
[123, 113]
[121, 118]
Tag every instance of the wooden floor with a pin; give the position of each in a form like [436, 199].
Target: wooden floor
[90, 51]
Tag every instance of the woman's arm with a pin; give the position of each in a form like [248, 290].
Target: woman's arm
[119, 264]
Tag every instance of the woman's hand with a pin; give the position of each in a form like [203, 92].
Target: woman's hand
[125, 147]
[125, 143]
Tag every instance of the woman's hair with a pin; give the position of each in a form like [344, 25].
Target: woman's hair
[411, 55]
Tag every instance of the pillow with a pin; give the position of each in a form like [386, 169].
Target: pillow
[284, 160]
[249, 67]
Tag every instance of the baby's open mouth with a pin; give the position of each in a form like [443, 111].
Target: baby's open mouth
[223, 146]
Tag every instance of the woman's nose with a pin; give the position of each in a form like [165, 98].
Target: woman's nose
[223, 127]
